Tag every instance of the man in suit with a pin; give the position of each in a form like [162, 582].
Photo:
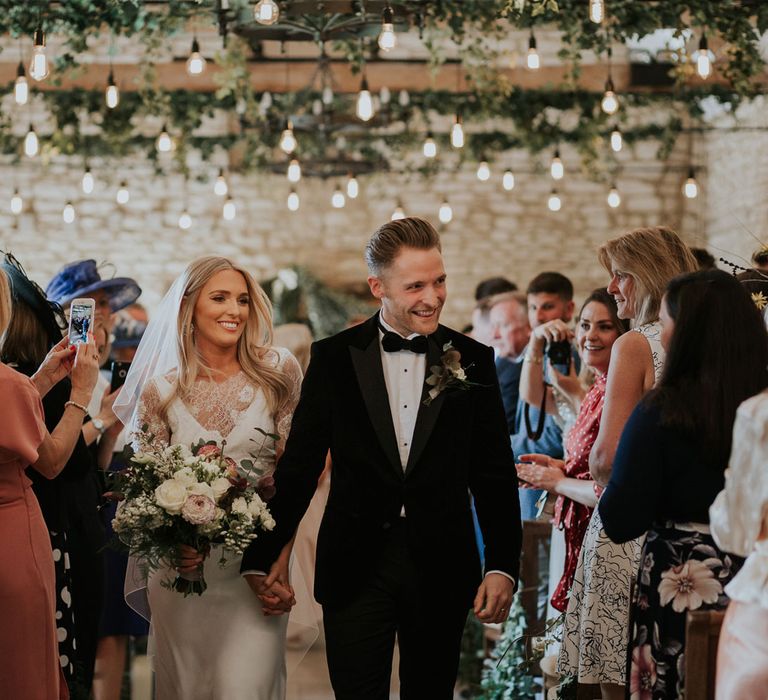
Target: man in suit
[396, 552]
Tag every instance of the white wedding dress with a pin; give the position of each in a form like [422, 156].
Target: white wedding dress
[218, 645]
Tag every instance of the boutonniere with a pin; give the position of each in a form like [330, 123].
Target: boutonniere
[449, 374]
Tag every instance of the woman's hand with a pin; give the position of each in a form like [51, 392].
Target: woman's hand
[85, 371]
[56, 365]
[541, 471]
[189, 559]
[567, 384]
[552, 332]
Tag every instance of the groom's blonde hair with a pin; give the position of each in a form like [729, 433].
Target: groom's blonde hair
[386, 242]
[254, 352]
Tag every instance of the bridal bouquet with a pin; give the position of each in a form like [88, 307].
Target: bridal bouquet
[192, 496]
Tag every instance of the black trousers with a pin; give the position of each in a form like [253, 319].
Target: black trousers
[360, 634]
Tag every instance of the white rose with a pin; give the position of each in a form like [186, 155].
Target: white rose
[220, 486]
[239, 505]
[460, 374]
[201, 489]
[185, 476]
[142, 458]
[170, 496]
[256, 506]
[268, 523]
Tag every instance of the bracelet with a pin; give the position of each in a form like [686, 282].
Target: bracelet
[535, 359]
[84, 409]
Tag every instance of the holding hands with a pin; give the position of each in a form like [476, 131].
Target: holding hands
[540, 471]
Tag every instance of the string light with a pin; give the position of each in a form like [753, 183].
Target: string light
[196, 61]
[31, 143]
[288, 139]
[532, 58]
[293, 202]
[457, 133]
[112, 93]
[353, 188]
[614, 198]
[404, 98]
[265, 102]
[164, 142]
[38, 66]
[229, 210]
[445, 214]
[387, 38]
[88, 182]
[337, 198]
[617, 140]
[610, 103]
[399, 213]
[704, 58]
[508, 180]
[483, 171]
[17, 203]
[266, 12]
[327, 95]
[185, 221]
[554, 202]
[21, 86]
[123, 195]
[596, 11]
[690, 186]
[430, 147]
[294, 171]
[385, 95]
[364, 109]
[556, 168]
[68, 213]
[220, 185]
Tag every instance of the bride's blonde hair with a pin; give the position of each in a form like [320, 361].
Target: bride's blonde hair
[253, 346]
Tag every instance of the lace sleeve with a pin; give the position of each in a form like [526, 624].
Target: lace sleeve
[148, 414]
[284, 416]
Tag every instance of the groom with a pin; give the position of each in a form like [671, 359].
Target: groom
[396, 552]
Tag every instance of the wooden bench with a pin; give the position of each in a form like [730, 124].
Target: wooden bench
[702, 632]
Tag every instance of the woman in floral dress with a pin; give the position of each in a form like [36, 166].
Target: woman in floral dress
[670, 465]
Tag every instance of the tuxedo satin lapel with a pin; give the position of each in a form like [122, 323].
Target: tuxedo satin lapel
[370, 376]
[427, 415]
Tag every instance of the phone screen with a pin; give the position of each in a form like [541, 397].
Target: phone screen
[80, 322]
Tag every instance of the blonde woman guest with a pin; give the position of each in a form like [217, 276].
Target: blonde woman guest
[215, 375]
[29, 660]
[596, 631]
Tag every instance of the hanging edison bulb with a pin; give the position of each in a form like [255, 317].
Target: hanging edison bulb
[31, 143]
[17, 203]
[266, 12]
[294, 171]
[164, 142]
[112, 93]
[21, 86]
[288, 139]
[229, 210]
[293, 202]
[38, 66]
[399, 212]
[704, 58]
[690, 186]
[385, 96]
[556, 169]
[364, 108]
[185, 220]
[457, 133]
[596, 11]
[508, 180]
[220, 185]
[445, 214]
[554, 202]
[483, 171]
[617, 140]
[68, 213]
[387, 38]
[403, 98]
[87, 182]
[353, 188]
[532, 57]
[123, 194]
[196, 61]
[610, 103]
[614, 198]
[430, 147]
[337, 198]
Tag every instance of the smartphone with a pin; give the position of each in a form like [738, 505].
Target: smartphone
[81, 314]
[119, 372]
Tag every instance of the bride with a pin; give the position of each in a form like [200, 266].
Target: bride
[206, 370]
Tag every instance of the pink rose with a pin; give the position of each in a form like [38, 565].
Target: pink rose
[266, 487]
[198, 509]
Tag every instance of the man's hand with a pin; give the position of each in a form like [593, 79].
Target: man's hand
[276, 598]
[493, 598]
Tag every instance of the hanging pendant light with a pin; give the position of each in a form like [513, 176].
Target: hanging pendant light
[266, 12]
[38, 66]
[112, 92]
[610, 102]
[387, 38]
[532, 57]
[364, 108]
[21, 86]
[196, 62]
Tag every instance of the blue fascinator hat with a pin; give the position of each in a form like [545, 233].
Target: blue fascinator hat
[82, 278]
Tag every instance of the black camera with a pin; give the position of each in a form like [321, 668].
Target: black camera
[559, 355]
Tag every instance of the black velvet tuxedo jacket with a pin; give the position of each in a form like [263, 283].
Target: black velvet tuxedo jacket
[460, 445]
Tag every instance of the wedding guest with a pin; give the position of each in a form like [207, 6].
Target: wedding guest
[669, 467]
[704, 259]
[597, 329]
[596, 628]
[29, 663]
[739, 522]
[549, 297]
[481, 327]
[760, 259]
[509, 319]
[492, 286]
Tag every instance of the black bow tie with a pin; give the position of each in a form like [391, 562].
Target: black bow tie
[392, 342]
